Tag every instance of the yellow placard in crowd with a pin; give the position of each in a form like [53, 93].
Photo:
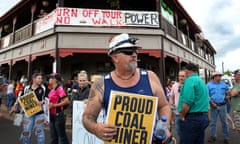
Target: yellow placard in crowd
[29, 104]
[133, 115]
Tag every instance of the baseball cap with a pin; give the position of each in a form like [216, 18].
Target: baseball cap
[216, 73]
[56, 76]
[122, 41]
[191, 67]
[237, 71]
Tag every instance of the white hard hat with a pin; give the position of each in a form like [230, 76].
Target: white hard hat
[122, 41]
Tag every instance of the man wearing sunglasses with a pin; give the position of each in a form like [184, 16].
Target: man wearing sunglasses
[126, 77]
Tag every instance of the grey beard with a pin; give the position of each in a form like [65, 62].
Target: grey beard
[132, 66]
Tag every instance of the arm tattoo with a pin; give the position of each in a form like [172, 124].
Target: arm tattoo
[97, 86]
[92, 118]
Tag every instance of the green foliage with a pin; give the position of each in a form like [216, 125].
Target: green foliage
[228, 72]
[183, 22]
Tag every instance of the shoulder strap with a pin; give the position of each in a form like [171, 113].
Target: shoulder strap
[143, 71]
[44, 91]
[26, 89]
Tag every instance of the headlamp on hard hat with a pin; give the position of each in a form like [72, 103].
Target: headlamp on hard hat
[133, 40]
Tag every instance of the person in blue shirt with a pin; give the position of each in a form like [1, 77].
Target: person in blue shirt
[217, 92]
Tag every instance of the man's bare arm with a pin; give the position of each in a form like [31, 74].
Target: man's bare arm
[94, 106]
[103, 131]
[234, 92]
[171, 99]
[163, 105]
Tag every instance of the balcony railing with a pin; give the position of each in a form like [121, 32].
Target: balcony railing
[179, 35]
[23, 33]
[169, 29]
[7, 41]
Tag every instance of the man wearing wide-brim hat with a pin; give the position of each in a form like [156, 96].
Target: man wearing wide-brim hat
[216, 74]
[235, 100]
[218, 92]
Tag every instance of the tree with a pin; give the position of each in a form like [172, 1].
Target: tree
[228, 72]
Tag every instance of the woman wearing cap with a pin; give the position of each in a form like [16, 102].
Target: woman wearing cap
[58, 99]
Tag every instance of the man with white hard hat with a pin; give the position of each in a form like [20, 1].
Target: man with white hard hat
[126, 77]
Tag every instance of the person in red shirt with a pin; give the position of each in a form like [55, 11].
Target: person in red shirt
[19, 88]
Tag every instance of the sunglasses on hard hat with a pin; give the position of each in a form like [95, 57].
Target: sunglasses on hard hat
[127, 51]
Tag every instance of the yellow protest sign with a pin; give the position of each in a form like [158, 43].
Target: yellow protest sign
[133, 115]
[29, 104]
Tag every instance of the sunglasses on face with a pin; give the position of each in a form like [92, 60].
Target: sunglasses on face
[127, 51]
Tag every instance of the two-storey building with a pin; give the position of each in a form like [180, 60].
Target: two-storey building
[73, 35]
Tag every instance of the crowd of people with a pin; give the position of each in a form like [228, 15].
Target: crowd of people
[221, 99]
[52, 87]
[189, 104]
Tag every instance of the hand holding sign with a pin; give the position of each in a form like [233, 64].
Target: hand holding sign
[133, 115]
[40, 103]
[105, 132]
[29, 104]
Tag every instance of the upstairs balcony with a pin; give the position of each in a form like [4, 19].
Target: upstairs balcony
[104, 18]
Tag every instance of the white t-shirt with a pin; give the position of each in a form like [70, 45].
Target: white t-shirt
[176, 93]
[10, 89]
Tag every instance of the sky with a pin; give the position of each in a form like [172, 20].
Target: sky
[219, 21]
[5, 5]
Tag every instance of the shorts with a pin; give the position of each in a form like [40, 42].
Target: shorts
[236, 119]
